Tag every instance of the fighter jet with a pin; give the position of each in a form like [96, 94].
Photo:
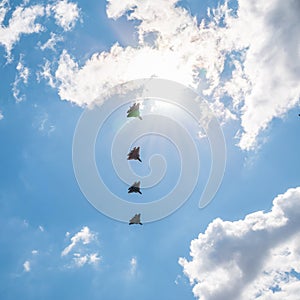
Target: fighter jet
[134, 154]
[134, 111]
[135, 188]
[136, 219]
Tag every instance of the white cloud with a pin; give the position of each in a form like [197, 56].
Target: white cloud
[51, 42]
[1, 115]
[23, 72]
[22, 21]
[253, 258]
[85, 236]
[83, 249]
[46, 74]
[260, 41]
[81, 260]
[267, 81]
[21, 78]
[34, 252]
[66, 14]
[133, 265]
[94, 258]
[42, 122]
[16, 92]
[41, 228]
[26, 266]
[174, 54]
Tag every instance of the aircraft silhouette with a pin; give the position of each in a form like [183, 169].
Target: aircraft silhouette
[136, 219]
[134, 111]
[135, 188]
[134, 154]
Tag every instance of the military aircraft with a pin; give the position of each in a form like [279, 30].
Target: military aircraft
[134, 111]
[136, 219]
[135, 188]
[134, 154]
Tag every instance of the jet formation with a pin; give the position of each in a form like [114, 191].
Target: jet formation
[134, 154]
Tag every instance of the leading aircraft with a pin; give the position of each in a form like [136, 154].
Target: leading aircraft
[134, 111]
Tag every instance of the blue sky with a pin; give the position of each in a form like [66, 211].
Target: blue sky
[59, 58]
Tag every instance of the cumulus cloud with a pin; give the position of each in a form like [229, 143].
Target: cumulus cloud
[258, 44]
[265, 81]
[180, 51]
[22, 21]
[66, 14]
[254, 258]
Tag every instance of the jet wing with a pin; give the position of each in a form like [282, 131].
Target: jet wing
[136, 219]
[134, 111]
[133, 107]
[137, 184]
[134, 153]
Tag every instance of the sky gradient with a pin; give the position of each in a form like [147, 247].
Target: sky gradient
[61, 57]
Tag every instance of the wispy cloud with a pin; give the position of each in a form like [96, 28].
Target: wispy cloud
[26, 266]
[133, 265]
[82, 254]
[80, 260]
[253, 258]
[46, 74]
[44, 126]
[1, 115]
[26, 20]
[22, 21]
[20, 79]
[84, 236]
[51, 42]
